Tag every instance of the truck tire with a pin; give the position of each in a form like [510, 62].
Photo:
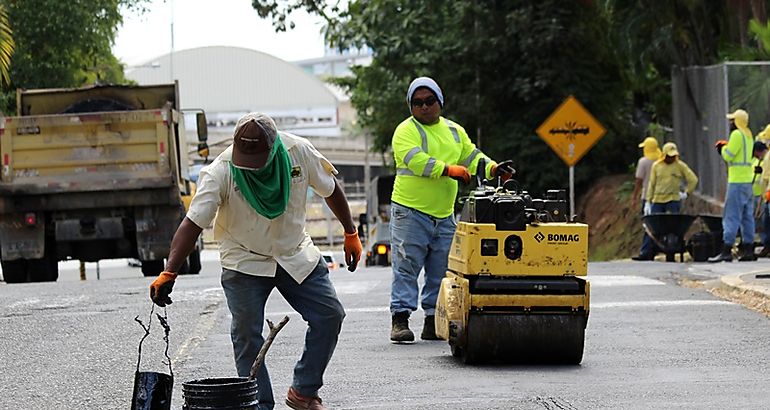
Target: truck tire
[15, 271]
[152, 267]
[43, 270]
[194, 262]
[184, 269]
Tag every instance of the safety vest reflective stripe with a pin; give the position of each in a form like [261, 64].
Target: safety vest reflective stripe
[423, 135]
[471, 157]
[453, 129]
[745, 149]
[426, 172]
[409, 155]
[424, 143]
[745, 154]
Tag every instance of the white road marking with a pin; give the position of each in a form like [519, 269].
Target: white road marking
[602, 281]
[659, 303]
[354, 288]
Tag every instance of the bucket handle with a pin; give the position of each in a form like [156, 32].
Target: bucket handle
[166, 329]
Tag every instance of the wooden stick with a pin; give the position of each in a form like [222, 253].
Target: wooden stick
[263, 350]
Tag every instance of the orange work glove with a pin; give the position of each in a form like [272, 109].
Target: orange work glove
[353, 250]
[719, 145]
[458, 172]
[161, 287]
[767, 196]
[504, 170]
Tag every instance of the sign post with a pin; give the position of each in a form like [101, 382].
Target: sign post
[571, 131]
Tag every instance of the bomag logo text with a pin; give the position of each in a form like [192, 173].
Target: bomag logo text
[563, 237]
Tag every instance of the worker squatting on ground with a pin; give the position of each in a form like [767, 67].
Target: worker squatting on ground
[739, 203]
[432, 153]
[651, 153]
[257, 189]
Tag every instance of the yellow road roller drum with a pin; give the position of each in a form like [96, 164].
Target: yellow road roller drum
[514, 291]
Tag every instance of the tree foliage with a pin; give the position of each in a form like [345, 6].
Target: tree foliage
[505, 65]
[64, 43]
[7, 45]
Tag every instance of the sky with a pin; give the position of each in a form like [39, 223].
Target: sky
[199, 23]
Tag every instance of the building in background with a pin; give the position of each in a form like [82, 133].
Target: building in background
[335, 63]
[228, 82]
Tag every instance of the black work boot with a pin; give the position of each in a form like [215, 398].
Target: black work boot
[399, 332]
[429, 328]
[725, 256]
[747, 253]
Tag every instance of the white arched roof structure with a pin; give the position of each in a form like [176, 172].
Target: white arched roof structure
[232, 79]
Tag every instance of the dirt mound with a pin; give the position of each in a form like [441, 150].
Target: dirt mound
[615, 230]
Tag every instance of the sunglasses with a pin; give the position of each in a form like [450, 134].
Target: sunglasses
[428, 102]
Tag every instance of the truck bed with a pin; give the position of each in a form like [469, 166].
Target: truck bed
[68, 153]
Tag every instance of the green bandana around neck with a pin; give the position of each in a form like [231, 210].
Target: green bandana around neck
[266, 189]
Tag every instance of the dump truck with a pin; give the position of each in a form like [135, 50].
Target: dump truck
[375, 223]
[514, 290]
[92, 173]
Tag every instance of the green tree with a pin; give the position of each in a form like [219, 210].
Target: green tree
[64, 43]
[7, 46]
[503, 65]
[648, 37]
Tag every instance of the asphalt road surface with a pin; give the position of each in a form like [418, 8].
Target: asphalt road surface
[650, 344]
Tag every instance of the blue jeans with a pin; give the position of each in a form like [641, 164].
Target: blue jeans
[766, 225]
[671, 207]
[418, 240]
[315, 299]
[738, 213]
[648, 246]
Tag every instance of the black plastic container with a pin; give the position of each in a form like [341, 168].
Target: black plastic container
[152, 391]
[226, 393]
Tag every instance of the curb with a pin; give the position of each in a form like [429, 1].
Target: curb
[734, 281]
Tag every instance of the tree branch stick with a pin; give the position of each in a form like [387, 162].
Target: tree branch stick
[263, 350]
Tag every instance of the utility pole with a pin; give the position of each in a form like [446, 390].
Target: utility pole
[171, 55]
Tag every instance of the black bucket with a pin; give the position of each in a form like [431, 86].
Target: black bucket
[152, 391]
[226, 393]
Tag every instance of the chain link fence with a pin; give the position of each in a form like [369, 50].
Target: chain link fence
[701, 98]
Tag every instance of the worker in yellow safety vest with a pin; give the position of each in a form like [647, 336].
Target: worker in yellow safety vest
[431, 154]
[764, 213]
[739, 202]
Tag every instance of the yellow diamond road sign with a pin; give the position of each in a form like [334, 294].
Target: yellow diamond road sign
[571, 131]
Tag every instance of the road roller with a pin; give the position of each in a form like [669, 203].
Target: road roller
[514, 290]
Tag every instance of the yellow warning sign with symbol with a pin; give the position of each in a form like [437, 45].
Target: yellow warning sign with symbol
[571, 131]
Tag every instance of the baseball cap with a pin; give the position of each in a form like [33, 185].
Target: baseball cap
[670, 150]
